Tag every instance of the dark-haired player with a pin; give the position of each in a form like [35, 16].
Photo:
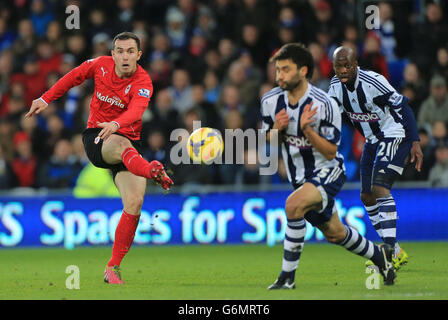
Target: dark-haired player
[309, 124]
[383, 117]
[122, 93]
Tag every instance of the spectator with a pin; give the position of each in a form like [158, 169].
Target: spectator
[164, 116]
[206, 24]
[48, 59]
[253, 42]
[77, 47]
[351, 34]
[102, 44]
[441, 66]
[160, 70]
[62, 169]
[24, 164]
[180, 91]
[55, 37]
[32, 78]
[208, 111]
[212, 87]
[56, 132]
[5, 172]
[41, 16]
[6, 137]
[429, 36]
[321, 60]
[7, 37]
[372, 58]
[413, 79]
[224, 11]
[36, 134]
[25, 43]
[247, 87]
[79, 151]
[156, 147]
[195, 59]
[439, 133]
[438, 176]
[435, 107]
[386, 32]
[176, 29]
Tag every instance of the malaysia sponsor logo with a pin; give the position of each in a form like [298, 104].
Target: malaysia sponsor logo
[298, 142]
[115, 101]
[363, 117]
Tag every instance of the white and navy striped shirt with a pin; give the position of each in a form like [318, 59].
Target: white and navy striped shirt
[301, 159]
[373, 106]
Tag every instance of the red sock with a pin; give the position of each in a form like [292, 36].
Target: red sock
[135, 163]
[124, 235]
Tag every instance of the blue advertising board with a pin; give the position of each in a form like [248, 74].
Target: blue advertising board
[227, 218]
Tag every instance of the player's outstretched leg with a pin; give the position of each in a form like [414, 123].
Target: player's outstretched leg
[132, 190]
[118, 149]
[349, 238]
[292, 249]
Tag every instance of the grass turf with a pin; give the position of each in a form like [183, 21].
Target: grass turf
[237, 272]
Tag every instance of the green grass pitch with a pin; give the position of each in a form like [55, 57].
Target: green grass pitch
[217, 272]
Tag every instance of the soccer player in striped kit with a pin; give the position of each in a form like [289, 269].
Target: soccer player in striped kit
[308, 123]
[383, 117]
[122, 93]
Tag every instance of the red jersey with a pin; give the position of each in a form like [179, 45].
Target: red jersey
[114, 99]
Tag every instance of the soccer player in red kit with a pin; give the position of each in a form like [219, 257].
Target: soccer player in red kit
[122, 93]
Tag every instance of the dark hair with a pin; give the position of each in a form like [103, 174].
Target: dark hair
[125, 36]
[298, 53]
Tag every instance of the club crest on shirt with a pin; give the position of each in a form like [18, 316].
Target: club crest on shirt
[369, 106]
[126, 91]
[143, 92]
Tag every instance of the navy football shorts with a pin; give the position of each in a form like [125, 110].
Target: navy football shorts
[383, 162]
[329, 182]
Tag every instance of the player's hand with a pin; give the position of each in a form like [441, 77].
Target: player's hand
[417, 154]
[108, 129]
[36, 107]
[307, 116]
[281, 120]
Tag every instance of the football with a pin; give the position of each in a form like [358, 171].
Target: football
[205, 145]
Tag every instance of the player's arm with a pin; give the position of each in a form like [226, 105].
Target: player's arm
[71, 79]
[327, 148]
[280, 124]
[387, 96]
[273, 125]
[137, 105]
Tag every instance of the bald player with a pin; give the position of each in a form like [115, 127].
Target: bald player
[383, 117]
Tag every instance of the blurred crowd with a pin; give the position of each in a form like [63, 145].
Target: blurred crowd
[208, 61]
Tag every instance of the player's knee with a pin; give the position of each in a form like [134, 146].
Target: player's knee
[134, 203]
[294, 208]
[368, 198]
[335, 237]
[380, 192]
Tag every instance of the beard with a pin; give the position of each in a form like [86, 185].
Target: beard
[291, 85]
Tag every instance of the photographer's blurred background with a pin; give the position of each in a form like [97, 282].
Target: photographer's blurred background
[208, 61]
